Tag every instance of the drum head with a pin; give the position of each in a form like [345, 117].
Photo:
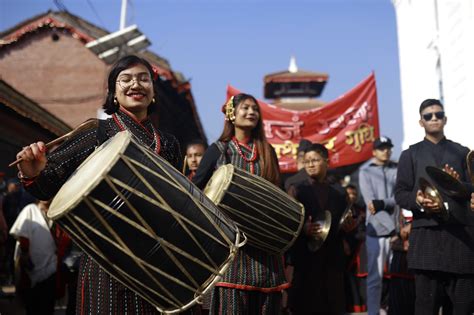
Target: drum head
[219, 182]
[88, 175]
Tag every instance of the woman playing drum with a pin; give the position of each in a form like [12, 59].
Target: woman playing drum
[253, 283]
[130, 98]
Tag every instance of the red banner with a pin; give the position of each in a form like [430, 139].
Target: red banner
[347, 126]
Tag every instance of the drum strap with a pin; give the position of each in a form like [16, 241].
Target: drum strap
[226, 156]
[224, 147]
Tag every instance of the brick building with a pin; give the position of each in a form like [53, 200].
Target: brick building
[45, 59]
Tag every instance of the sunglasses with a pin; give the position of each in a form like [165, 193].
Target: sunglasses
[429, 116]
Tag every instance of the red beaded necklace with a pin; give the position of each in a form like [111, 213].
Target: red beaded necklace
[156, 137]
[252, 158]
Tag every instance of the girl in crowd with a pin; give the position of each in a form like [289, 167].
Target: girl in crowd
[254, 281]
[130, 99]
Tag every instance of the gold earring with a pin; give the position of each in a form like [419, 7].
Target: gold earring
[230, 110]
[153, 101]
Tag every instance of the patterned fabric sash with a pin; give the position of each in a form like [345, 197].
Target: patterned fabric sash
[230, 154]
[143, 130]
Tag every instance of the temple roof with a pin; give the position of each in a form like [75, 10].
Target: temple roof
[300, 104]
[293, 74]
[298, 76]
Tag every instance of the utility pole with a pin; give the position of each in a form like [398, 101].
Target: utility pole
[123, 14]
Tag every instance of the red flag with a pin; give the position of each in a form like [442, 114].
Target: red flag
[347, 126]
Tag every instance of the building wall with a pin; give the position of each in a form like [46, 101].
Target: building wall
[58, 72]
[61, 75]
[457, 63]
[436, 49]
[17, 131]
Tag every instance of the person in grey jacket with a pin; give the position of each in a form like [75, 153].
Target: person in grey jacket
[377, 181]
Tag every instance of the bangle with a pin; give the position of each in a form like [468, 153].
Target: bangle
[25, 179]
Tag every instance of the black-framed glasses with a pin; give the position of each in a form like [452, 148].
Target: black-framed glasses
[429, 116]
[143, 79]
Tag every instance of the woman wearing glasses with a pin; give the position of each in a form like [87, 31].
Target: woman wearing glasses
[254, 281]
[130, 99]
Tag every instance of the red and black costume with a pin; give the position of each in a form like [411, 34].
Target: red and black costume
[255, 279]
[98, 292]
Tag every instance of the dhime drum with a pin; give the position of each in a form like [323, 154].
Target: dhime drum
[146, 224]
[268, 216]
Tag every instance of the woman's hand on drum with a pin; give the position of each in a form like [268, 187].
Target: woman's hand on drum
[33, 159]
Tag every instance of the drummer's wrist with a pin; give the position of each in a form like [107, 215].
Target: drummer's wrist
[26, 180]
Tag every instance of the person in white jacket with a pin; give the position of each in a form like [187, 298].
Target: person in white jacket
[36, 251]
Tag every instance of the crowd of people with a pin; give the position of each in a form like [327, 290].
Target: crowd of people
[386, 251]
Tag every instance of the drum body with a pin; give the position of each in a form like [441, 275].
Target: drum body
[146, 224]
[268, 216]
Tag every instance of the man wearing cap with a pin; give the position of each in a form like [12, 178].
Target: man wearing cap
[441, 251]
[377, 181]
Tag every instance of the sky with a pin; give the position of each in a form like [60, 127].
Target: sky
[219, 42]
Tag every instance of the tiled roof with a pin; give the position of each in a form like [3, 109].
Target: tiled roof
[299, 76]
[31, 110]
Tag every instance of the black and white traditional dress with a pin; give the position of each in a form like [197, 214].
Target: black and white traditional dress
[98, 293]
[255, 279]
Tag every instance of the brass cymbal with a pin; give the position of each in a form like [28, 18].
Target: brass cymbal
[327, 225]
[316, 243]
[469, 164]
[447, 183]
[346, 215]
[432, 193]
